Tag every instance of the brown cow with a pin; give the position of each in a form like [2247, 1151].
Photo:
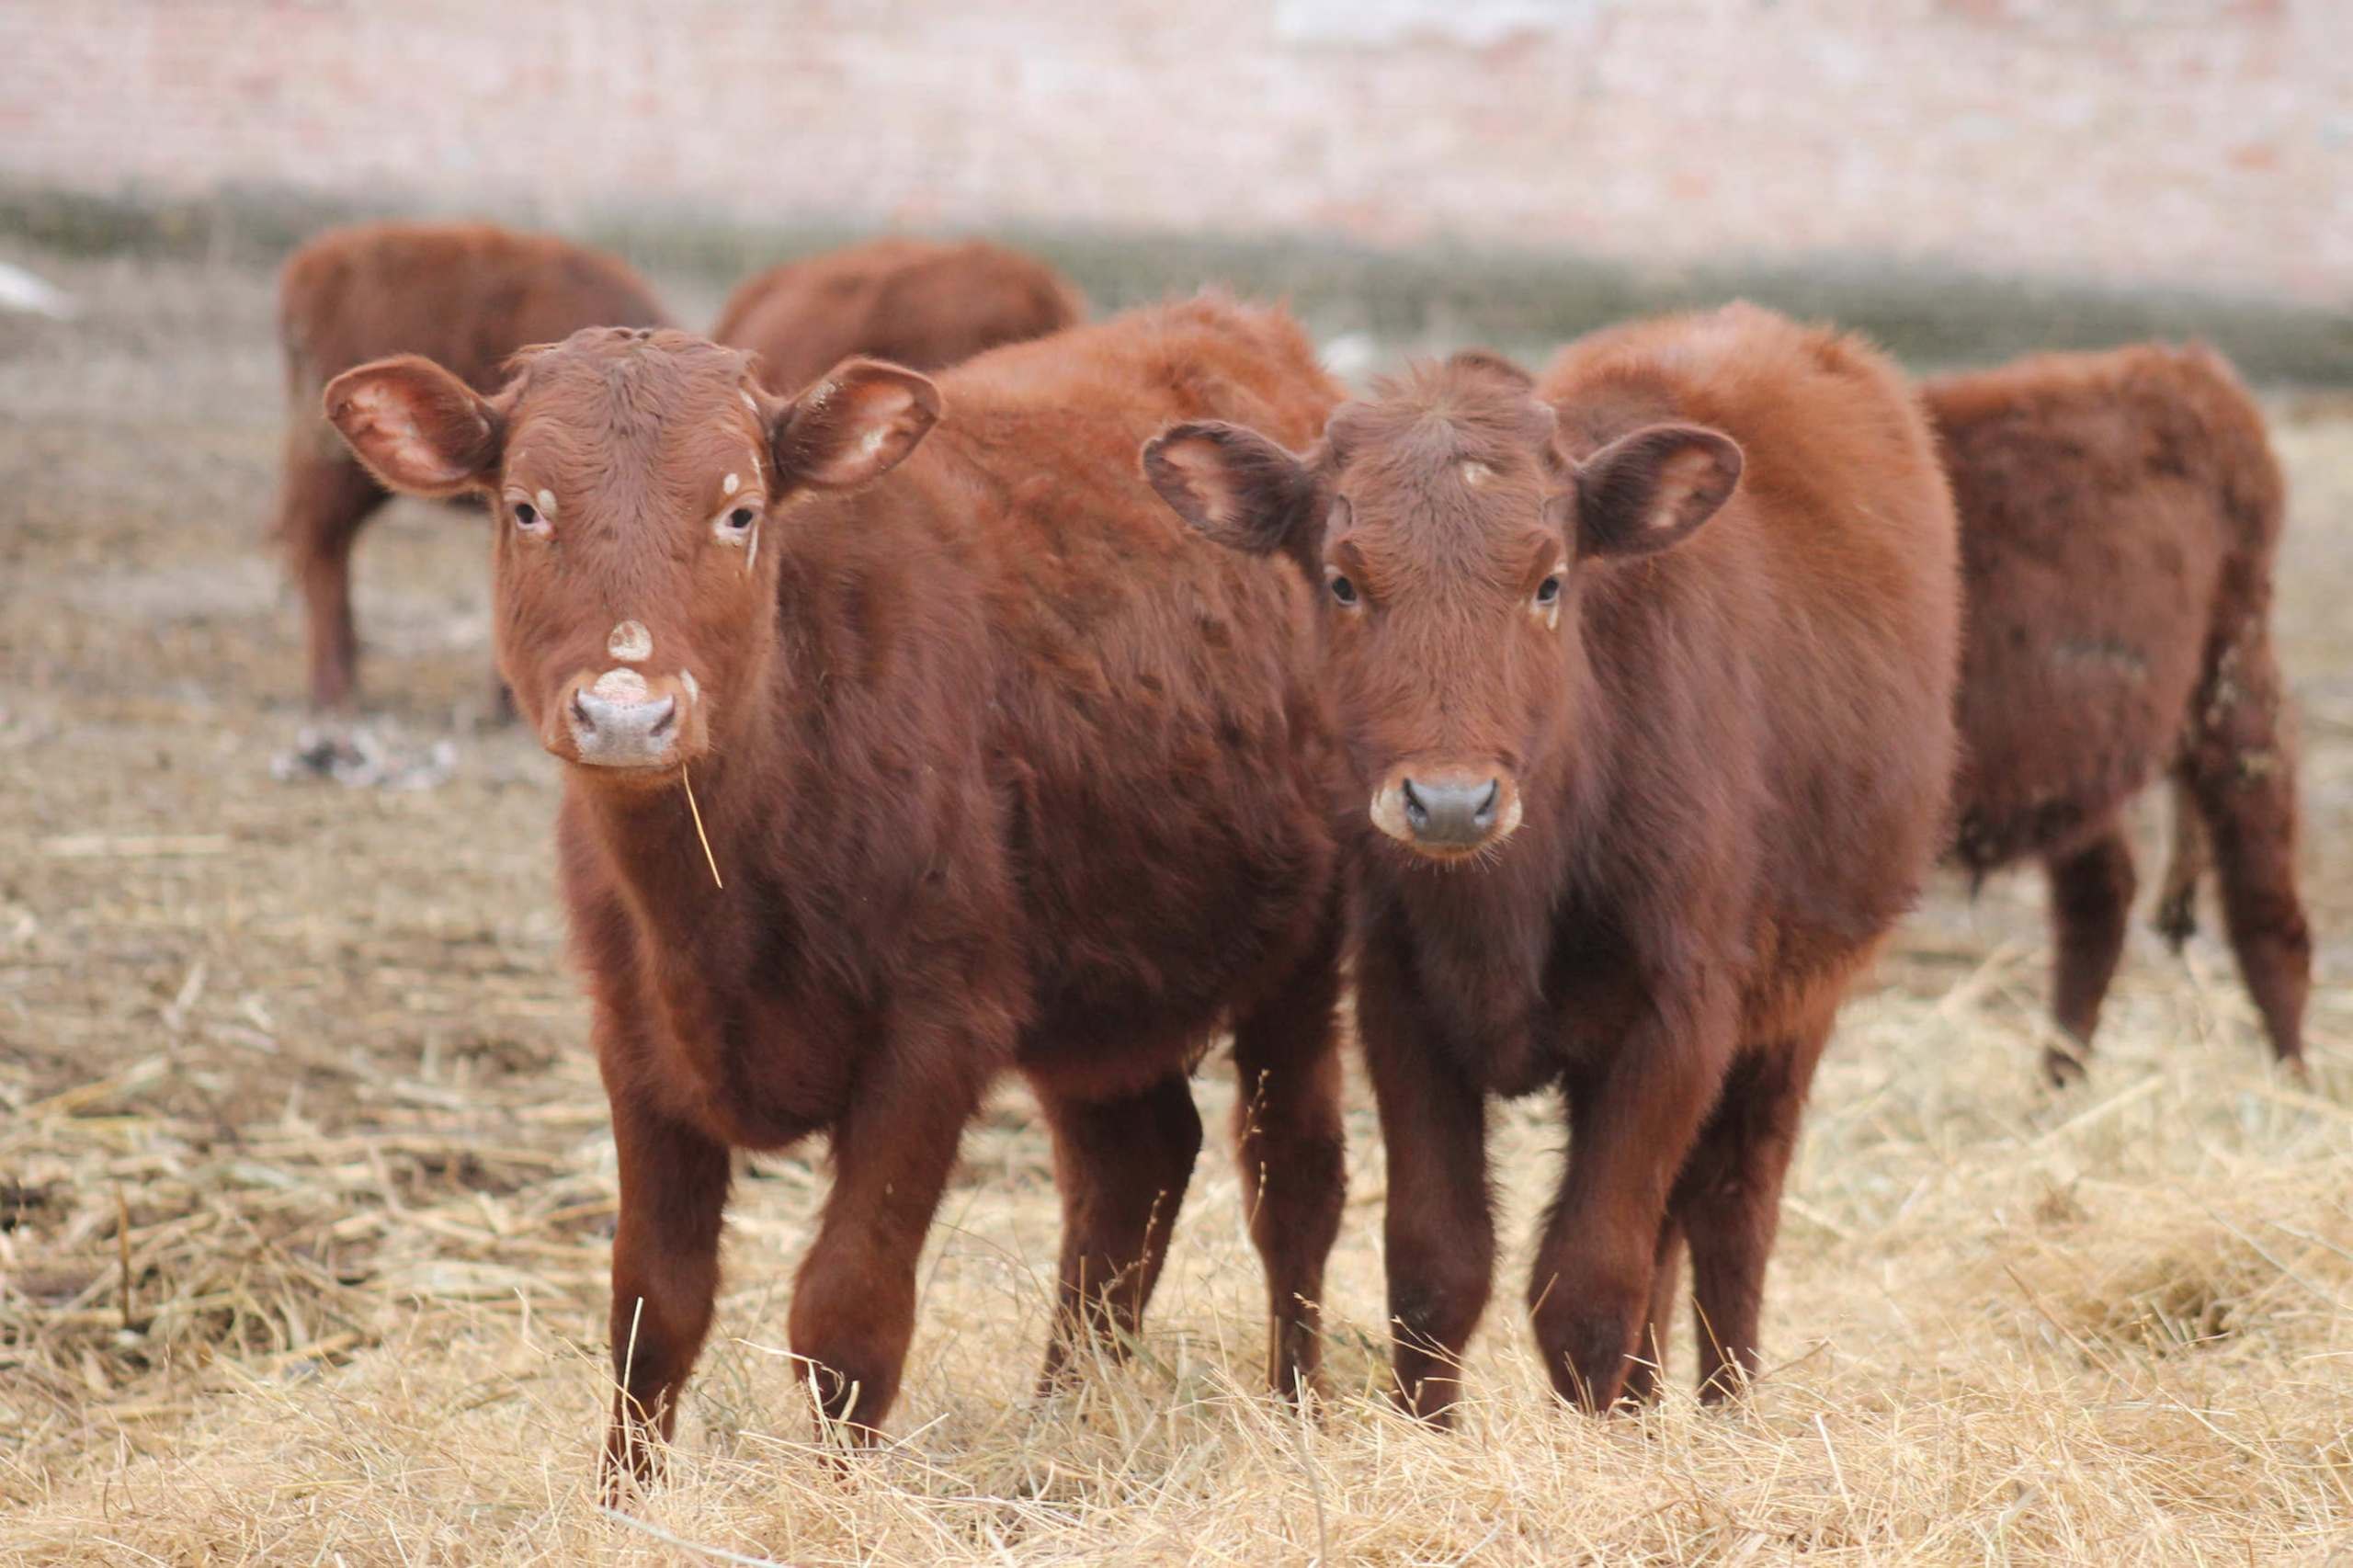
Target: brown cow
[1643, 794]
[1001, 767]
[464, 294]
[926, 304]
[2120, 513]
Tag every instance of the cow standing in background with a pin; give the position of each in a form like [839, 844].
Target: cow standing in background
[1644, 678]
[1000, 767]
[926, 304]
[2121, 518]
[464, 295]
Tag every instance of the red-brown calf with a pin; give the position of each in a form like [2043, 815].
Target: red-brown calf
[2120, 516]
[922, 303]
[464, 294]
[1645, 674]
[1002, 767]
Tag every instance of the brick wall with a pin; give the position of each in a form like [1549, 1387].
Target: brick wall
[2197, 142]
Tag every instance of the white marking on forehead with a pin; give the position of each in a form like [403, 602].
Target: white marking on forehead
[694, 689]
[546, 499]
[1475, 473]
[731, 484]
[620, 685]
[630, 642]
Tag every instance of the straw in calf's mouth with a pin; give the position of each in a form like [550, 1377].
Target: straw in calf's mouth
[709, 858]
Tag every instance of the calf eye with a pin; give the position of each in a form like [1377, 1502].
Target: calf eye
[1548, 593]
[1342, 590]
[741, 517]
[527, 519]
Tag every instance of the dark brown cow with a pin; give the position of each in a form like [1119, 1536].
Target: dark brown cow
[926, 304]
[2120, 513]
[464, 294]
[1001, 767]
[1644, 793]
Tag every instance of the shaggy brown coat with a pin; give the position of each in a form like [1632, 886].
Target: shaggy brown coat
[922, 303]
[2121, 515]
[1002, 768]
[466, 295]
[1697, 769]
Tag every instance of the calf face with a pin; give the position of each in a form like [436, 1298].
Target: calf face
[1450, 535]
[633, 475]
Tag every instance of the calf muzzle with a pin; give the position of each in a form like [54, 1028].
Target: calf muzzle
[619, 718]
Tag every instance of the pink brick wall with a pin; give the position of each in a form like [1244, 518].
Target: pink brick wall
[2199, 142]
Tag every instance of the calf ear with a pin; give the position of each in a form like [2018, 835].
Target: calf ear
[857, 422]
[1652, 489]
[418, 427]
[1234, 486]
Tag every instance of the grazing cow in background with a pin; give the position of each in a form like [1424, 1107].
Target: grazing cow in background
[466, 295]
[2120, 513]
[1644, 678]
[1000, 767]
[926, 304]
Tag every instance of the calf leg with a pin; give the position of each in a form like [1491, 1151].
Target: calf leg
[1122, 1166]
[1729, 1200]
[2242, 771]
[323, 500]
[854, 1301]
[665, 1276]
[2186, 867]
[1292, 1154]
[1439, 1230]
[1647, 1375]
[1631, 1127]
[2091, 903]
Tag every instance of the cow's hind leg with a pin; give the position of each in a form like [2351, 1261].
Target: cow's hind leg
[1291, 1152]
[1729, 1201]
[2242, 768]
[1122, 1165]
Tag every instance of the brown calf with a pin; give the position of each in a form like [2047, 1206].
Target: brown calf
[2120, 516]
[1644, 793]
[1001, 767]
[921, 303]
[464, 294]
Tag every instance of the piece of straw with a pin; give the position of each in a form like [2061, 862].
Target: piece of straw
[709, 858]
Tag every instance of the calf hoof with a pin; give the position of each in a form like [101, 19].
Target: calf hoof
[2175, 919]
[2066, 1065]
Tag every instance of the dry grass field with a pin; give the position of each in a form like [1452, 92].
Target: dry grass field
[305, 1186]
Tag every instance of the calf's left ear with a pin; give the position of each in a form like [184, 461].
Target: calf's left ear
[855, 424]
[418, 427]
[1235, 487]
[1652, 489]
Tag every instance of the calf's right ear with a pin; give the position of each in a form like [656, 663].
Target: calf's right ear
[1235, 487]
[418, 427]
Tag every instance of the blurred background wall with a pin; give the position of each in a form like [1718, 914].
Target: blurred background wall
[2197, 143]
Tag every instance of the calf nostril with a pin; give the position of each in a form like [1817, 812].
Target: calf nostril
[1484, 813]
[1416, 811]
[669, 718]
[580, 713]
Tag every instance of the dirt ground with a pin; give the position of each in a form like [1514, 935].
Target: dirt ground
[305, 1186]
